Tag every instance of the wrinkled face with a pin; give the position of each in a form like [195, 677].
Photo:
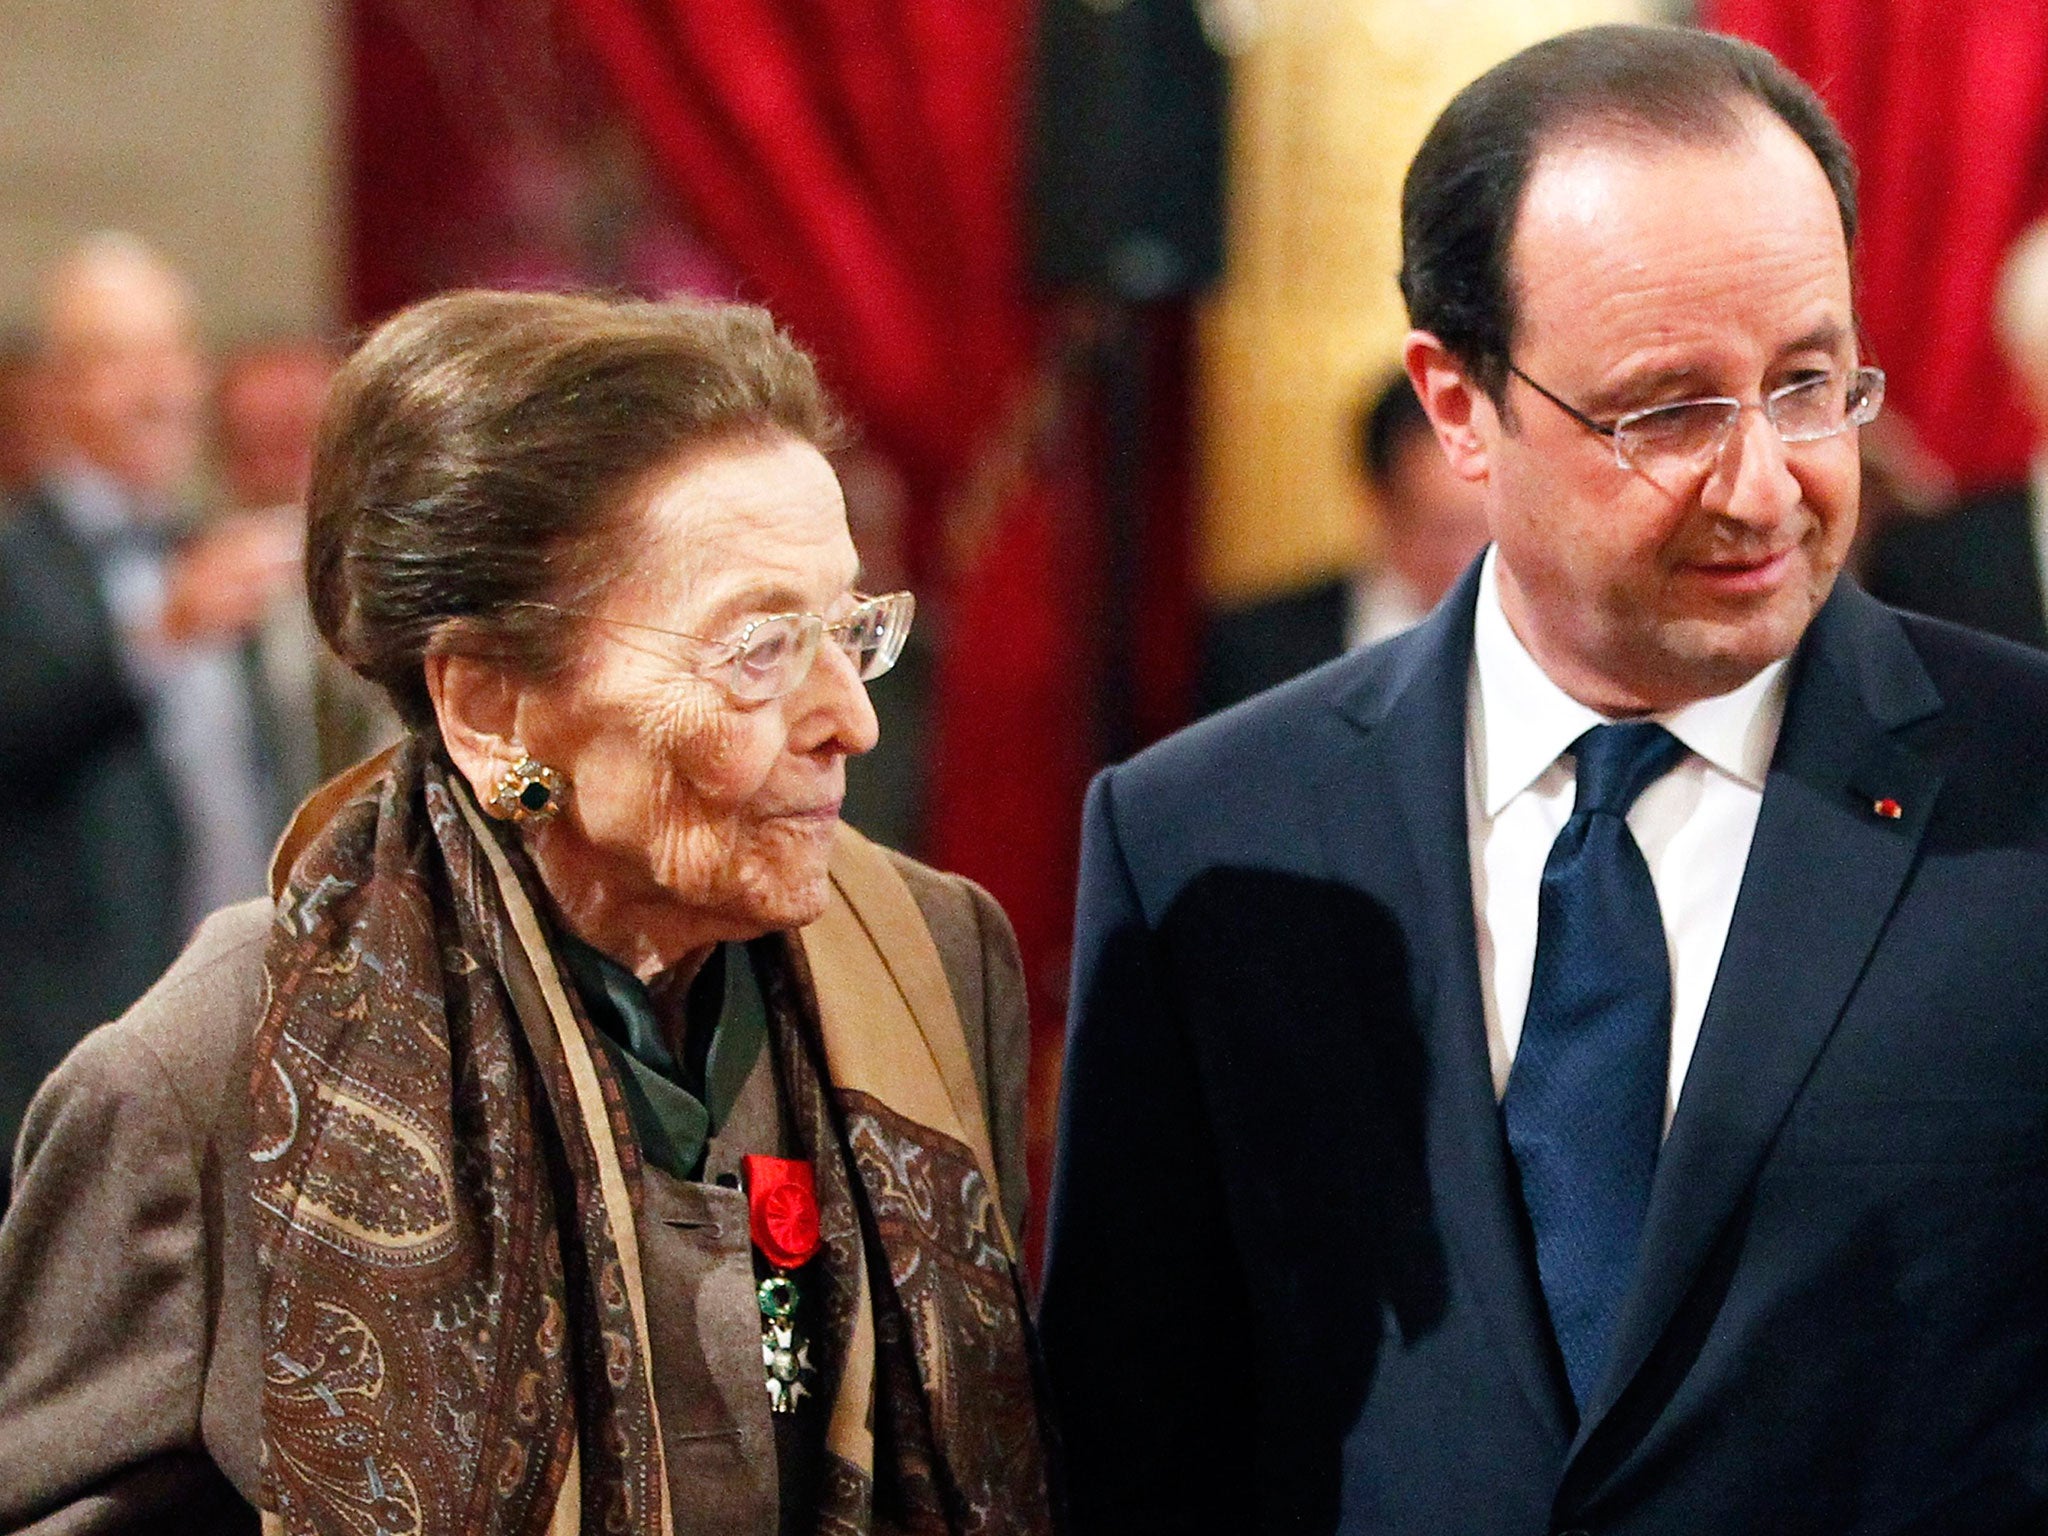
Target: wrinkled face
[1650, 272]
[711, 815]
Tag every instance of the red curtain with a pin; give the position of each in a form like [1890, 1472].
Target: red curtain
[1946, 105]
[858, 161]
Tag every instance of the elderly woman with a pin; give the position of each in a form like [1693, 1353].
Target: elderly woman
[594, 1134]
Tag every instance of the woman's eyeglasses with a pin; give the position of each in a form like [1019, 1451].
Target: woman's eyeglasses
[772, 656]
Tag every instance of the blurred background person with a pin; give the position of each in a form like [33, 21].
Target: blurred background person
[1980, 562]
[266, 413]
[24, 429]
[139, 788]
[1430, 526]
[267, 410]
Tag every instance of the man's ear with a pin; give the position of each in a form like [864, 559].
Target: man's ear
[477, 707]
[1461, 412]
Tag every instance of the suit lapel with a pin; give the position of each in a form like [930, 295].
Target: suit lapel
[1826, 867]
[1411, 761]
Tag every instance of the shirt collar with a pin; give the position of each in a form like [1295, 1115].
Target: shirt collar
[90, 501]
[1526, 722]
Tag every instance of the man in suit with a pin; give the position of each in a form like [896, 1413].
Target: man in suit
[136, 796]
[266, 417]
[1582, 1065]
[1430, 524]
[1984, 562]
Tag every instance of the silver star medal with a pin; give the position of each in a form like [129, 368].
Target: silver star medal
[785, 1357]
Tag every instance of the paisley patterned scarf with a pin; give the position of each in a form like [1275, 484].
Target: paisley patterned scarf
[448, 1191]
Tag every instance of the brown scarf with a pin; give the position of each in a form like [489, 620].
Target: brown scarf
[448, 1190]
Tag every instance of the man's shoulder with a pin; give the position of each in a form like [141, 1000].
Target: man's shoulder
[1286, 731]
[32, 527]
[1253, 786]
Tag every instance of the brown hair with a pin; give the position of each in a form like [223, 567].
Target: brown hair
[478, 448]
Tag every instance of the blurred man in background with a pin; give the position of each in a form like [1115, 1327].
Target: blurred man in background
[1981, 564]
[267, 413]
[139, 793]
[268, 405]
[1431, 526]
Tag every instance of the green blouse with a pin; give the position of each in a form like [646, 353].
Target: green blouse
[676, 1105]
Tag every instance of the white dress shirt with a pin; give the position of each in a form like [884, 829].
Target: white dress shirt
[1694, 825]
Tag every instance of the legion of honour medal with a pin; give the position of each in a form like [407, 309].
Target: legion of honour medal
[782, 1214]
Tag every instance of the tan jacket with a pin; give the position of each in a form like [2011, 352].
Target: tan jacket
[130, 1388]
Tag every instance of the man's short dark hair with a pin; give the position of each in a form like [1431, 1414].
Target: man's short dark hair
[1465, 185]
[1391, 417]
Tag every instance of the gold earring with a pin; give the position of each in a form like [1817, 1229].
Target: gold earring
[527, 791]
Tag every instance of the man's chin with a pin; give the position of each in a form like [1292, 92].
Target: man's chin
[1719, 660]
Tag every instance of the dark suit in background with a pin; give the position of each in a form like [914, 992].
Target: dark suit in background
[1431, 523]
[1290, 1285]
[1248, 650]
[89, 834]
[1977, 565]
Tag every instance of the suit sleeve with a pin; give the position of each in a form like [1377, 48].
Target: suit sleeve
[62, 691]
[1143, 1321]
[104, 1310]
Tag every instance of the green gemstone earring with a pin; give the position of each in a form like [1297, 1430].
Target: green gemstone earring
[527, 791]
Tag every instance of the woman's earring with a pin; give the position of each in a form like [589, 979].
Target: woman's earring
[527, 791]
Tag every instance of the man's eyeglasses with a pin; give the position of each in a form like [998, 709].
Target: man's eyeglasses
[773, 655]
[1688, 435]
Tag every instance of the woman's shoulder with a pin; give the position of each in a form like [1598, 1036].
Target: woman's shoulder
[187, 1033]
[953, 905]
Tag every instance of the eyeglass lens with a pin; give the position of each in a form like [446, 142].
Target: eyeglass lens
[778, 652]
[1805, 412]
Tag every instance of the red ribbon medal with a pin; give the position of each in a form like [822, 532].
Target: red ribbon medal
[782, 1209]
[782, 1215]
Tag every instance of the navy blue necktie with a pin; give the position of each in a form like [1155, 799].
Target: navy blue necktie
[1585, 1099]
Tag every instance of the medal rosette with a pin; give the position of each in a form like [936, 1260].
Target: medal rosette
[782, 1215]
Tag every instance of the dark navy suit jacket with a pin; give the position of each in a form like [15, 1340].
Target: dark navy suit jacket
[1289, 1282]
[91, 850]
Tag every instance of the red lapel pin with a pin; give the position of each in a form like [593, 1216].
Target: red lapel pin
[1888, 808]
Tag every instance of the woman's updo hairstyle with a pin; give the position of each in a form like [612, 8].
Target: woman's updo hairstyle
[479, 449]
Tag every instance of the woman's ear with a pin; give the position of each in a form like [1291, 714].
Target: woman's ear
[477, 707]
[1461, 412]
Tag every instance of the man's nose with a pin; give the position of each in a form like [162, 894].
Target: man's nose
[1752, 480]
